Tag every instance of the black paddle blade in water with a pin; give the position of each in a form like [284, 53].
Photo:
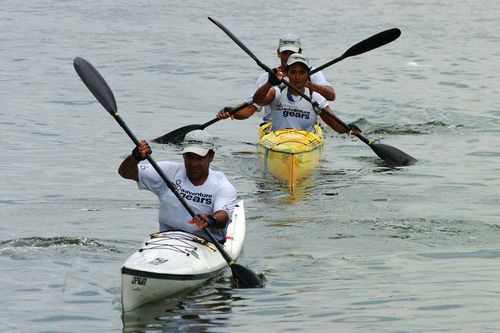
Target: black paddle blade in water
[391, 155]
[176, 136]
[96, 84]
[245, 278]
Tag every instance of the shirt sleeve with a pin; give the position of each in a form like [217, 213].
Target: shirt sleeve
[261, 80]
[274, 102]
[322, 102]
[319, 79]
[225, 198]
[249, 100]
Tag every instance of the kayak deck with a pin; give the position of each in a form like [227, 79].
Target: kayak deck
[290, 154]
[175, 261]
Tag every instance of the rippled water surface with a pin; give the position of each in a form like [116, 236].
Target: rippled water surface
[361, 247]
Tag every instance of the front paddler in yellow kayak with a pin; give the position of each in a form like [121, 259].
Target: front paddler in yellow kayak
[291, 146]
[288, 108]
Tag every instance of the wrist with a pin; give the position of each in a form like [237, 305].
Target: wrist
[137, 155]
[211, 220]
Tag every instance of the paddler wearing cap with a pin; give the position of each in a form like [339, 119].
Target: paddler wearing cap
[288, 108]
[207, 191]
[288, 44]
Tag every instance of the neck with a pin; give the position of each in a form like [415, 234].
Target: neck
[198, 181]
[303, 90]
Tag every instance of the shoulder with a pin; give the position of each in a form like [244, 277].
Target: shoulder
[147, 171]
[218, 175]
[168, 165]
[220, 180]
[264, 75]
[319, 78]
[318, 73]
[262, 79]
[318, 97]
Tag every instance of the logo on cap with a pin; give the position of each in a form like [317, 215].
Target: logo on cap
[289, 43]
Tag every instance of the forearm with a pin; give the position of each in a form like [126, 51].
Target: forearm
[245, 113]
[337, 127]
[261, 95]
[222, 218]
[128, 169]
[324, 90]
[203, 221]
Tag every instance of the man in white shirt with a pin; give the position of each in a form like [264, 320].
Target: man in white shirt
[288, 45]
[288, 108]
[207, 192]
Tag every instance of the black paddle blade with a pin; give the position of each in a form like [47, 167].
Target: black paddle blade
[246, 278]
[391, 155]
[365, 45]
[176, 136]
[96, 84]
[373, 42]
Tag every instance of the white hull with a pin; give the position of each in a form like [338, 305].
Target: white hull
[171, 262]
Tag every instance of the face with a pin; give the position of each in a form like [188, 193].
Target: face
[197, 166]
[298, 75]
[284, 57]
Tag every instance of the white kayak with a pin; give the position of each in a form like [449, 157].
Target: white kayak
[174, 261]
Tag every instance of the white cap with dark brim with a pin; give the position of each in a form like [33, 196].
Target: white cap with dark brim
[198, 142]
[297, 57]
[289, 42]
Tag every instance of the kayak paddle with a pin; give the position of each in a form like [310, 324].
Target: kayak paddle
[366, 45]
[244, 277]
[176, 136]
[388, 154]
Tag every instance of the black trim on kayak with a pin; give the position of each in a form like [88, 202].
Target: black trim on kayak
[163, 276]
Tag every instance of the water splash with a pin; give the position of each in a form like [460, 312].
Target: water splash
[57, 242]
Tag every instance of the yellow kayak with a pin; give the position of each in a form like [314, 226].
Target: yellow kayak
[290, 154]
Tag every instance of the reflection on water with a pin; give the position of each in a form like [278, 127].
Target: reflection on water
[201, 311]
[272, 188]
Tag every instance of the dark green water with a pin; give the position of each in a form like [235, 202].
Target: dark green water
[361, 248]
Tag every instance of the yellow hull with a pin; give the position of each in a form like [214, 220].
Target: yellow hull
[290, 155]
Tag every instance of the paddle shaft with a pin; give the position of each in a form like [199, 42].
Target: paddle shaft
[178, 134]
[231, 112]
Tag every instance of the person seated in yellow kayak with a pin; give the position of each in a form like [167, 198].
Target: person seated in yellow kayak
[288, 108]
[288, 45]
[207, 191]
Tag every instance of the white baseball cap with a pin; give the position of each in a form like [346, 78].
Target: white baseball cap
[297, 57]
[199, 142]
[289, 42]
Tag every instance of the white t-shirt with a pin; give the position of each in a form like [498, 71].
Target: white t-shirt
[289, 111]
[317, 78]
[213, 195]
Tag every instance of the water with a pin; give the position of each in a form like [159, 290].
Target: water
[361, 248]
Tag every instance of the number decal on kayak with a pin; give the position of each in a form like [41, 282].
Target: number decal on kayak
[138, 280]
